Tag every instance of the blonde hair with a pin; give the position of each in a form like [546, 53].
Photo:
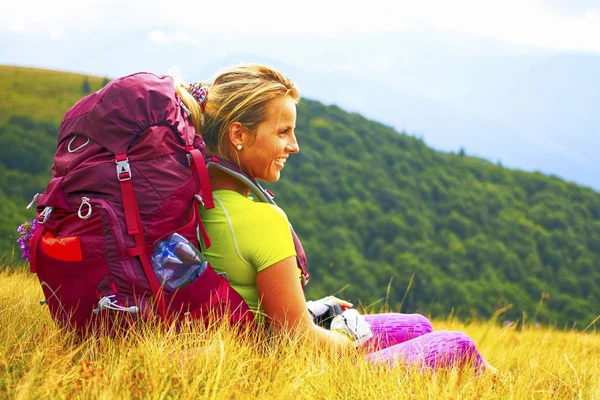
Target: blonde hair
[237, 94]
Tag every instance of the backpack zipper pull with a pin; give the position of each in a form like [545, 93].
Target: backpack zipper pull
[106, 303]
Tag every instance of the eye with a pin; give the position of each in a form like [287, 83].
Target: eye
[283, 132]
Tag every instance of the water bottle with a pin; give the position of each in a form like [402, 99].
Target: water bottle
[176, 262]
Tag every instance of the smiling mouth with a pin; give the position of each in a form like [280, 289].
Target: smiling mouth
[280, 161]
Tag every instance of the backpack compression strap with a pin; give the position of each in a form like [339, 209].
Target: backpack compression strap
[135, 229]
[204, 194]
[199, 169]
[33, 244]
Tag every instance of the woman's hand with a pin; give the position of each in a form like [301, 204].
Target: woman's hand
[331, 300]
[283, 300]
[325, 309]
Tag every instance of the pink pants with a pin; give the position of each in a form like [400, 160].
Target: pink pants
[410, 339]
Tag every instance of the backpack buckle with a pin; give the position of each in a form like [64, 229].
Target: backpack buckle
[43, 217]
[123, 170]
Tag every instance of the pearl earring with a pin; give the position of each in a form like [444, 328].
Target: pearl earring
[239, 147]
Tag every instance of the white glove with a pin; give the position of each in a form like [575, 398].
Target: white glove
[353, 325]
[320, 307]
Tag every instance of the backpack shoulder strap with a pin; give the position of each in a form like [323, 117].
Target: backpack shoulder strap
[229, 168]
[264, 196]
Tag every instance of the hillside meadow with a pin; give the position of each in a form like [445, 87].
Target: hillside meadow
[42, 94]
[374, 209]
[37, 360]
[378, 211]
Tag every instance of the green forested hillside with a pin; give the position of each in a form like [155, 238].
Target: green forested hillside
[374, 208]
[32, 104]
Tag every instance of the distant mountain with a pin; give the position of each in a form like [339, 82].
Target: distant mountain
[528, 109]
[374, 208]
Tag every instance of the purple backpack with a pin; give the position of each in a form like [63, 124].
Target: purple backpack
[128, 171]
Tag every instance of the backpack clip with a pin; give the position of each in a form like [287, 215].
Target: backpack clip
[85, 202]
[34, 201]
[123, 170]
[187, 111]
[70, 150]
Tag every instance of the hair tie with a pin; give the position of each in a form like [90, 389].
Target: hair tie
[199, 91]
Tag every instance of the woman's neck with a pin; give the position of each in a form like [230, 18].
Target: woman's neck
[220, 180]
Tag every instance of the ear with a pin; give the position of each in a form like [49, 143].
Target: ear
[235, 134]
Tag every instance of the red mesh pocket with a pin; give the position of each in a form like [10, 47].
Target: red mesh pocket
[65, 249]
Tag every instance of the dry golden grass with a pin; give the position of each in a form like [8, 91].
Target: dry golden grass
[37, 360]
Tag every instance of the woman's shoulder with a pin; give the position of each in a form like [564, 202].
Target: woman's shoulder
[270, 211]
[265, 213]
[249, 210]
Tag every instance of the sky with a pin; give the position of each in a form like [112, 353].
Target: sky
[566, 25]
[512, 81]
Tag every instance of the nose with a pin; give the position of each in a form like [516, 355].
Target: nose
[293, 146]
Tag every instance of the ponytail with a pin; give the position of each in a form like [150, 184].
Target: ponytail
[192, 105]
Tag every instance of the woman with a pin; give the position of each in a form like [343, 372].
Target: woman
[247, 116]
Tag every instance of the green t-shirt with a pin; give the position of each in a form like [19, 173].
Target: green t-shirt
[246, 238]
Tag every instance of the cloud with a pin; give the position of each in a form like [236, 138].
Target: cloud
[554, 24]
[161, 37]
[571, 6]
[56, 33]
[525, 23]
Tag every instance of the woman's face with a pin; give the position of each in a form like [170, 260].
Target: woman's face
[264, 153]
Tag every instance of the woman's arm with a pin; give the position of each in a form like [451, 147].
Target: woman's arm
[283, 300]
